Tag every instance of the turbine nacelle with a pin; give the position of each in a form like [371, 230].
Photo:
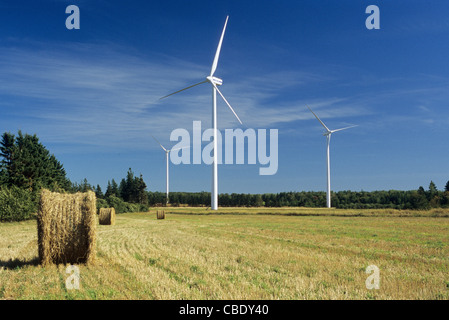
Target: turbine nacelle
[328, 132]
[214, 80]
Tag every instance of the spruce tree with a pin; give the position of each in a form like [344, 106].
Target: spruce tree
[7, 146]
[123, 191]
[98, 192]
[27, 164]
[433, 191]
[141, 189]
[433, 188]
[114, 188]
[108, 192]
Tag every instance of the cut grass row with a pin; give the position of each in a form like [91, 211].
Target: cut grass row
[301, 211]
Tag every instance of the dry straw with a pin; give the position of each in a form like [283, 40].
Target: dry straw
[160, 214]
[107, 216]
[66, 227]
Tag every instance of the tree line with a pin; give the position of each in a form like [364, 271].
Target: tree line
[26, 166]
[128, 196]
[393, 199]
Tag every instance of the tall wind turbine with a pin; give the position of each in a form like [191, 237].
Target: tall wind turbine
[328, 134]
[215, 82]
[167, 152]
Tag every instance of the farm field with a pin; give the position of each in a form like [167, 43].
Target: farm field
[257, 253]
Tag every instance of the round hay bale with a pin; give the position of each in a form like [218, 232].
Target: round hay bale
[66, 228]
[107, 216]
[160, 214]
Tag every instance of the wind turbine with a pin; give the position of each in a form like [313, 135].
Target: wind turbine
[328, 134]
[215, 82]
[167, 152]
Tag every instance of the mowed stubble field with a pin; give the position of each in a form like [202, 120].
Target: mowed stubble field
[286, 254]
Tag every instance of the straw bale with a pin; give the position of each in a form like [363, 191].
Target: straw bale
[66, 225]
[160, 214]
[107, 216]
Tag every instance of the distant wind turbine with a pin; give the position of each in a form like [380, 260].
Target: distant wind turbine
[167, 152]
[328, 134]
[215, 82]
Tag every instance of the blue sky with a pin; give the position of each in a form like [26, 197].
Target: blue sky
[91, 95]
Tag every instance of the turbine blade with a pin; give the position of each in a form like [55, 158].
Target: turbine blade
[343, 128]
[235, 114]
[319, 120]
[160, 144]
[217, 54]
[183, 89]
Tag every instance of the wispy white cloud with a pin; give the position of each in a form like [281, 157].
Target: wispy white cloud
[89, 93]
[104, 96]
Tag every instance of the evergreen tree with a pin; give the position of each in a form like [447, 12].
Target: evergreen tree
[421, 190]
[434, 199]
[27, 164]
[7, 146]
[141, 191]
[446, 188]
[85, 186]
[98, 192]
[432, 188]
[114, 188]
[108, 192]
[131, 188]
[123, 190]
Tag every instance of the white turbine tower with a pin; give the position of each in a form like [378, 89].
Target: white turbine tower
[215, 82]
[328, 134]
[167, 153]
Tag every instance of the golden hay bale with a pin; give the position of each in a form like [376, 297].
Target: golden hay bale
[66, 227]
[107, 216]
[160, 214]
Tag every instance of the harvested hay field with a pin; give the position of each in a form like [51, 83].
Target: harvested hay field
[106, 216]
[66, 227]
[240, 256]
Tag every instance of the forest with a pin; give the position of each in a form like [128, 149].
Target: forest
[27, 166]
[393, 199]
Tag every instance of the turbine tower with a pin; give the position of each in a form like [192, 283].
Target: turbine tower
[328, 134]
[215, 82]
[167, 152]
